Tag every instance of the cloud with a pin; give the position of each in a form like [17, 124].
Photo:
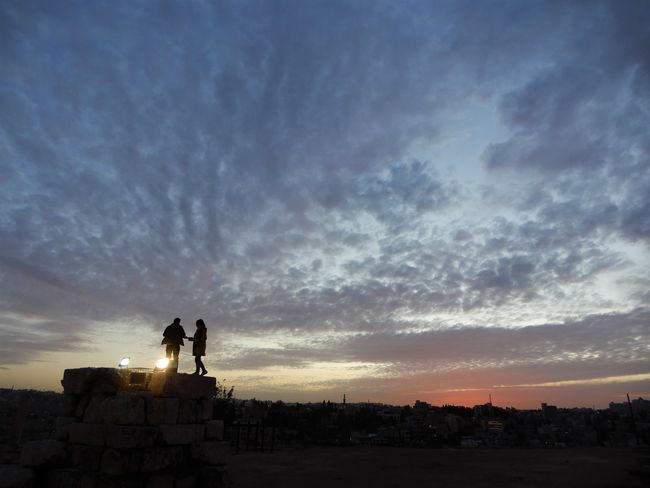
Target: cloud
[616, 338]
[596, 346]
[581, 113]
[593, 381]
[277, 169]
[516, 364]
[584, 97]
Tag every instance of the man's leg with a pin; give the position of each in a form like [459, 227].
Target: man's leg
[173, 364]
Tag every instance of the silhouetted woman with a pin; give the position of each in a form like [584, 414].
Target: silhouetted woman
[198, 346]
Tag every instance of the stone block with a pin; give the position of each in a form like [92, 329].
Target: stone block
[42, 453]
[160, 480]
[188, 411]
[214, 477]
[94, 381]
[70, 403]
[182, 385]
[130, 436]
[87, 434]
[206, 409]
[162, 411]
[163, 457]
[86, 458]
[214, 453]
[67, 478]
[9, 453]
[88, 480]
[60, 428]
[12, 476]
[155, 411]
[186, 480]
[93, 411]
[121, 462]
[214, 430]
[144, 394]
[133, 480]
[112, 463]
[182, 434]
[172, 406]
[81, 406]
[123, 410]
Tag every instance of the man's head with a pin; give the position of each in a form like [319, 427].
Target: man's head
[177, 320]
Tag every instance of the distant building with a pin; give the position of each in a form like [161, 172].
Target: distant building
[639, 407]
[548, 411]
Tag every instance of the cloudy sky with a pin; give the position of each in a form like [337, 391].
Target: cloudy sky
[393, 200]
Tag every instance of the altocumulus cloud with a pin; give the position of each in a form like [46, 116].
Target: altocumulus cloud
[287, 170]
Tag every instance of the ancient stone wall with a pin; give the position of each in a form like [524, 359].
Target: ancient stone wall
[125, 428]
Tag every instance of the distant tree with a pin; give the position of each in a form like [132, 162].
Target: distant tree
[223, 392]
[224, 403]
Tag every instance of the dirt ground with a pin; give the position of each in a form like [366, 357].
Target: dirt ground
[383, 467]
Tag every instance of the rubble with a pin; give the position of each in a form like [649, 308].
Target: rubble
[13, 476]
[127, 428]
[40, 453]
[214, 430]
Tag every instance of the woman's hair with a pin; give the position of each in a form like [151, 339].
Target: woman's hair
[200, 323]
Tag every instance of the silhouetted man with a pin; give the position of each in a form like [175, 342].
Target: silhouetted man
[173, 338]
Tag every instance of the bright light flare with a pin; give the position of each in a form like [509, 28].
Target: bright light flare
[124, 362]
[162, 363]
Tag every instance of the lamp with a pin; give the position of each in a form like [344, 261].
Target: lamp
[162, 364]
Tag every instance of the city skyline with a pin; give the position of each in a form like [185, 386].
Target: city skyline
[431, 201]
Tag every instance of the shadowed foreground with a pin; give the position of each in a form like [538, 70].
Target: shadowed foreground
[398, 467]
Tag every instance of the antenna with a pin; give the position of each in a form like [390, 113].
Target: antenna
[636, 433]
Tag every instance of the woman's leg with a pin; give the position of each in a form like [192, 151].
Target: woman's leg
[199, 364]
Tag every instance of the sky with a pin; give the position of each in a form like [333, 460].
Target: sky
[399, 201]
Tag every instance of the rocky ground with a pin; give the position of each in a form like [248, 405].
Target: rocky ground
[380, 467]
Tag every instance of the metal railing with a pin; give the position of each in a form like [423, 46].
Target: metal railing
[253, 436]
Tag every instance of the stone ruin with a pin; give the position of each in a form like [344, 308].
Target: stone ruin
[126, 429]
